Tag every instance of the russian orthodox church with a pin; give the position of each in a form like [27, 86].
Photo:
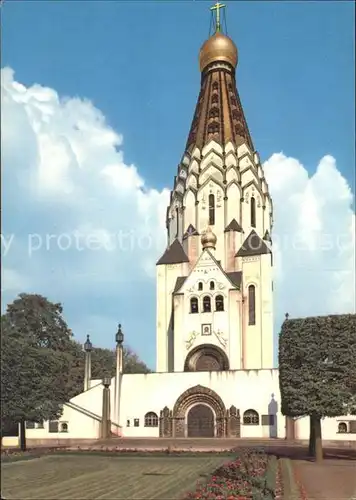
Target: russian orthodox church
[214, 373]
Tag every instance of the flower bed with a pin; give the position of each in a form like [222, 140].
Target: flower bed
[252, 475]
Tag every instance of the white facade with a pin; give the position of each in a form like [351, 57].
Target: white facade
[243, 205]
[142, 394]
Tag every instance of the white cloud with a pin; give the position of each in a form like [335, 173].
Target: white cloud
[13, 281]
[71, 188]
[314, 237]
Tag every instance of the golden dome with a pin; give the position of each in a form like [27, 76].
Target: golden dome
[218, 47]
[208, 238]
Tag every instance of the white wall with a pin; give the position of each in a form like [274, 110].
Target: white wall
[329, 428]
[142, 393]
[79, 427]
[251, 389]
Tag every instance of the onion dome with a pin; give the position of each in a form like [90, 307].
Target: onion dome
[208, 239]
[218, 48]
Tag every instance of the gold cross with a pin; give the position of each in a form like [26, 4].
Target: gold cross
[217, 8]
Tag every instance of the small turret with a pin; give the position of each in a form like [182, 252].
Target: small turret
[208, 239]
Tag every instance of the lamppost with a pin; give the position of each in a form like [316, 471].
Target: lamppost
[119, 338]
[106, 412]
[88, 347]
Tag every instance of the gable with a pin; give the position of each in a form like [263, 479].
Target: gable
[207, 268]
[253, 245]
[174, 254]
[191, 231]
[233, 226]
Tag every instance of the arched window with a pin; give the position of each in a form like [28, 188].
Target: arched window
[212, 285]
[64, 427]
[213, 127]
[219, 303]
[206, 304]
[239, 130]
[200, 286]
[253, 212]
[214, 112]
[251, 305]
[177, 219]
[251, 417]
[211, 209]
[342, 428]
[151, 419]
[194, 308]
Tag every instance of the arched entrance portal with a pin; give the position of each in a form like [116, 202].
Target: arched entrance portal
[200, 421]
[206, 358]
[199, 412]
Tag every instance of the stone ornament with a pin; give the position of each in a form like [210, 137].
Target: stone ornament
[221, 339]
[192, 337]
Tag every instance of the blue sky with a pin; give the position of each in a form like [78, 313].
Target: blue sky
[137, 62]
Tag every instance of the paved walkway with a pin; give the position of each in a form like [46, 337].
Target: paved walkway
[334, 479]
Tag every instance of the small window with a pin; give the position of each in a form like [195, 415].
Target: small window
[251, 305]
[127, 423]
[53, 426]
[40, 425]
[200, 285]
[342, 428]
[213, 127]
[212, 285]
[214, 112]
[253, 212]
[194, 305]
[219, 303]
[206, 304]
[211, 209]
[239, 130]
[251, 417]
[136, 422]
[151, 419]
[177, 219]
[267, 420]
[64, 427]
[30, 425]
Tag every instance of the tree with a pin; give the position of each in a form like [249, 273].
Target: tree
[42, 365]
[133, 364]
[40, 321]
[103, 364]
[317, 370]
[34, 380]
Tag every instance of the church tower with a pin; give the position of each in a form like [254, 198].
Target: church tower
[214, 281]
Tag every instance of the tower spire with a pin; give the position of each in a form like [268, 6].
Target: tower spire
[218, 115]
[216, 9]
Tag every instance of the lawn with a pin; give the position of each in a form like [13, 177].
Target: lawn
[69, 477]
